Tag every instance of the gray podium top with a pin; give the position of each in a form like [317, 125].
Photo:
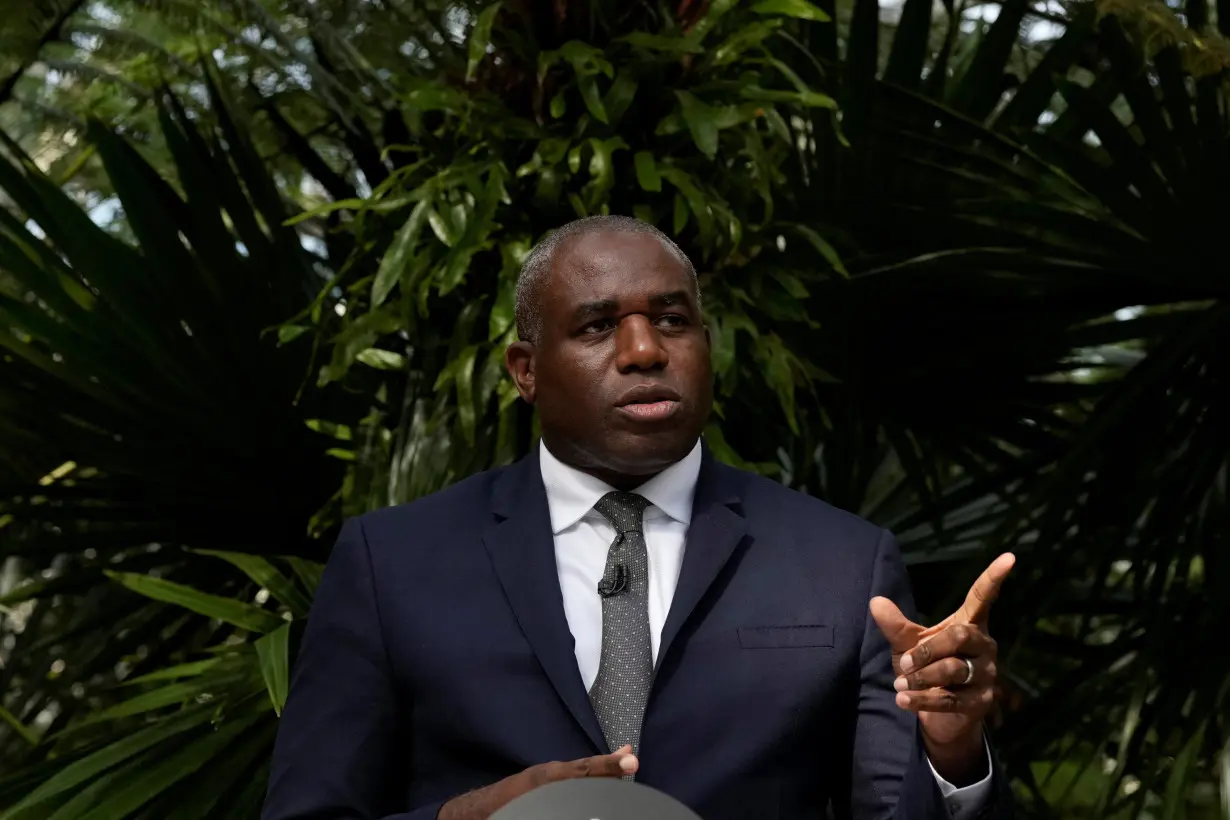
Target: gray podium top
[595, 798]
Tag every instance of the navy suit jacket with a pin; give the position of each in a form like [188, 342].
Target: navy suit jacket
[437, 659]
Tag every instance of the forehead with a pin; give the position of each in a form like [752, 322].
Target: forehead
[613, 265]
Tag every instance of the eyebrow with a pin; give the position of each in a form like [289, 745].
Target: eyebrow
[587, 309]
[677, 297]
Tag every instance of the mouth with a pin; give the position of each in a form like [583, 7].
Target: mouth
[649, 402]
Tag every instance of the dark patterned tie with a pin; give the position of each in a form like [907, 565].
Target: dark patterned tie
[625, 672]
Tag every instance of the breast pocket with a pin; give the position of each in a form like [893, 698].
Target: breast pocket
[786, 637]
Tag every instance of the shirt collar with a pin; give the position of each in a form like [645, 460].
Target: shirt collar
[571, 493]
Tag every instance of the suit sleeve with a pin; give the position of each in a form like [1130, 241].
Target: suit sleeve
[890, 776]
[340, 754]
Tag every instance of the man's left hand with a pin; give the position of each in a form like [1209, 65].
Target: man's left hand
[946, 673]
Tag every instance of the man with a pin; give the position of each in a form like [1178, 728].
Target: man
[618, 603]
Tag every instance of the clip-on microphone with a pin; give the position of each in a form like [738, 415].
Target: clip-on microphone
[608, 587]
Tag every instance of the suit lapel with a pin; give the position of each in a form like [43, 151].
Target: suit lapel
[522, 552]
[717, 528]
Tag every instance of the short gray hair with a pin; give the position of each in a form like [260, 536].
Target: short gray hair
[537, 265]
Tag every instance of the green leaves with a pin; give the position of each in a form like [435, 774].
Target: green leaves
[398, 261]
[647, 175]
[142, 349]
[695, 200]
[701, 123]
[822, 246]
[808, 98]
[274, 655]
[82, 771]
[480, 38]
[153, 700]
[712, 16]
[168, 771]
[382, 359]
[307, 572]
[448, 223]
[619, 97]
[183, 670]
[123, 776]
[602, 168]
[678, 44]
[586, 59]
[592, 97]
[780, 368]
[745, 41]
[588, 63]
[459, 373]
[236, 613]
[513, 253]
[264, 573]
[791, 8]
[18, 726]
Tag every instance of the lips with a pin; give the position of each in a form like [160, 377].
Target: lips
[649, 402]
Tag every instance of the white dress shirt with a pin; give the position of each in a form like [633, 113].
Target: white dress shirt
[583, 537]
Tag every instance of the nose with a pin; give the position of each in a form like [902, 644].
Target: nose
[638, 346]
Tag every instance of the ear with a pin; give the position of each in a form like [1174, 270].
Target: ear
[519, 359]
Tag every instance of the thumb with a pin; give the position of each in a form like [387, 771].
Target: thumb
[901, 632]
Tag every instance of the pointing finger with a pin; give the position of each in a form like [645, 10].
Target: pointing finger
[977, 606]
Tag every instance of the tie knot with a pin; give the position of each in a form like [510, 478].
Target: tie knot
[625, 511]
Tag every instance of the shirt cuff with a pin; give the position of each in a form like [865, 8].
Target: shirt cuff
[965, 803]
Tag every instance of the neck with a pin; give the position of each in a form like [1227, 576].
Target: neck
[581, 461]
[619, 481]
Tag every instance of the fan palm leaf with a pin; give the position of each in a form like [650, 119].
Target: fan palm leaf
[140, 383]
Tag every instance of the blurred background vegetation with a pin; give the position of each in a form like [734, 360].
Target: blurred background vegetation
[962, 264]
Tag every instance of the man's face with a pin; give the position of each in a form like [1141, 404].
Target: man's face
[620, 374]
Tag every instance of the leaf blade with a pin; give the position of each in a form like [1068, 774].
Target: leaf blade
[647, 175]
[236, 613]
[400, 254]
[274, 654]
[800, 9]
[702, 123]
[263, 572]
[480, 38]
[158, 778]
[82, 770]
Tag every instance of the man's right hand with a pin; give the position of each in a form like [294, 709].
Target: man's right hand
[484, 802]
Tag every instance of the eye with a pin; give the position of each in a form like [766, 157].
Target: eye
[672, 320]
[599, 326]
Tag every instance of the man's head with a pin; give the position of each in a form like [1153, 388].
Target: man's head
[613, 352]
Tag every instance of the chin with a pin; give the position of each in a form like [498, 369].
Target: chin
[646, 454]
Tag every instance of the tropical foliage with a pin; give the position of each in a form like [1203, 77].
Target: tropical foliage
[961, 271]
[141, 391]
